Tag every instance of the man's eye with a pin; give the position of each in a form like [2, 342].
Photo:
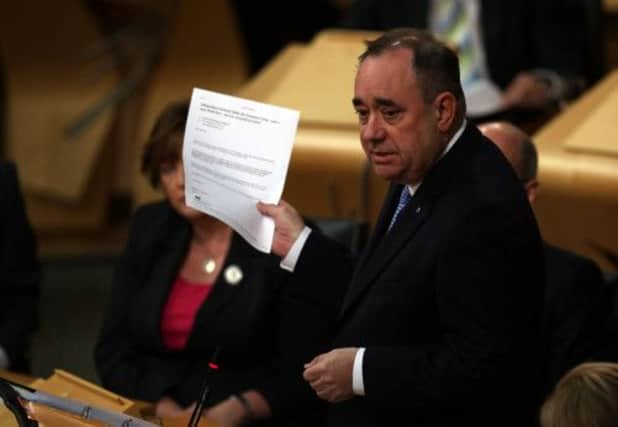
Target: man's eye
[390, 114]
[362, 115]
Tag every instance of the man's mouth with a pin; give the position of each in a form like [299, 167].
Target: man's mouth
[380, 156]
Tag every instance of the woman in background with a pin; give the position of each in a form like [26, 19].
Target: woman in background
[187, 285]
[587, 396]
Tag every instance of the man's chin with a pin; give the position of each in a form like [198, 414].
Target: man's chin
[389, 173]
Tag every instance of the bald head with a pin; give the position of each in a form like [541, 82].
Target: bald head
[516, 146]
[518, 149]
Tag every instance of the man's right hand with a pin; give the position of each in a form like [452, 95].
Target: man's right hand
[288, 225]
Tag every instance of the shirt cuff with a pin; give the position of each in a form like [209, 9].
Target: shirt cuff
[4, 359]
[358, 386]
[289, 262]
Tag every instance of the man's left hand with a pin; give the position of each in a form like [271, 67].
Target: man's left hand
[330, 374]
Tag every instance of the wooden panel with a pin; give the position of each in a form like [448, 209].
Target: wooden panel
[204, 50]
[269, 78]
[48, 87]
[328, 174]
[69, 386]
[6, 417]
[51, 216]
[591, 136]
[320, 83]
[578, 204]
[610, 5]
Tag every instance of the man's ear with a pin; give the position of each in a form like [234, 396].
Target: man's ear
[445, 106]
[532, 190]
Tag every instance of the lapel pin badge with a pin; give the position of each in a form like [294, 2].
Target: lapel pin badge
[232, 275]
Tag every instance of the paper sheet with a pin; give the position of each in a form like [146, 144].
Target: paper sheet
[237, 152]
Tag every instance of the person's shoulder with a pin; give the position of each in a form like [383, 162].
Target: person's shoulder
[566, 257]
[483, 189]
[473, 156]
[153, 219]
[8, 172]
[7, 166]
[492, 174]
[565, 263]
[155, 209]
[478, 172]
[153, 226]
[11, 197]
[493, 159]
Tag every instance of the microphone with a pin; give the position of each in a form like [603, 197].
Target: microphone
[212, 368]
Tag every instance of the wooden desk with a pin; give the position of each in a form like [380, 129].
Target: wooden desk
[610, 6]
[267, 80]
[578, 203]
[67, 385]
[22, 379]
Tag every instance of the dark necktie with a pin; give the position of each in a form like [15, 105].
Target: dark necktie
[404, 199]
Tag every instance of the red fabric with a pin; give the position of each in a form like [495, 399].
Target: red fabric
[180, 310]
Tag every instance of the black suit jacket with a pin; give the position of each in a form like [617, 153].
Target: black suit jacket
[448, 303]
[578, 304]
[564, 36]
[19, 272]
[266, 329]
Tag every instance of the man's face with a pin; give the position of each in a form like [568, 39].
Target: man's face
[397, 128]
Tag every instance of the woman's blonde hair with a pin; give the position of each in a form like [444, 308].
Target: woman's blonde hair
[587, 396]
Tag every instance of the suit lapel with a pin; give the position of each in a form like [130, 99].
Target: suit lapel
[164, 270]
[384, 218]
[223, 293]
[383, 248]
[386, 245]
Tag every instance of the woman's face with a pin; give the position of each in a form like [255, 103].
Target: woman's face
[172, 179]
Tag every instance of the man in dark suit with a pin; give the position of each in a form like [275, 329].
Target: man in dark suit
[577, 299]
[19, 274]
[537, 51]
[439, 318]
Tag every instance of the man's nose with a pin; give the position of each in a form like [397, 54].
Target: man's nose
[373, 130]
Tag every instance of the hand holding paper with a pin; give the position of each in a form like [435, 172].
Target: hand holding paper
[236, 152]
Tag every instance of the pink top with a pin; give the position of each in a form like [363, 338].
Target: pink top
[183, 303]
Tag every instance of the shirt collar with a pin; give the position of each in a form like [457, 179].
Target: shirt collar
[412, 188]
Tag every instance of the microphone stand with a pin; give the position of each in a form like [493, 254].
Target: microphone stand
[199, 407]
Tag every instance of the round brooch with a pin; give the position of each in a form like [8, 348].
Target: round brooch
[232, 275]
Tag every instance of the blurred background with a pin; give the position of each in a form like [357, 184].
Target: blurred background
[81, 82]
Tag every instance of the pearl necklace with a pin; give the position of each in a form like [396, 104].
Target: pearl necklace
[209, 265]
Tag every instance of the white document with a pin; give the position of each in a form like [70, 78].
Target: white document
[236, 152]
